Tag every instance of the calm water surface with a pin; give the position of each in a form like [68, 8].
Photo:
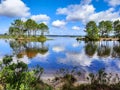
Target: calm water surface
[65, 52]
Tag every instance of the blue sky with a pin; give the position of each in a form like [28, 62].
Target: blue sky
[62, 16]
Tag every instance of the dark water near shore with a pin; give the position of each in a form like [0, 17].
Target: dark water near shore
[65, 52]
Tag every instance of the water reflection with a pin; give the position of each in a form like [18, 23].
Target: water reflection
[116, 50]
[30, 49]
[58, 48]
[104, 49]
[65, 53]
[90, 48]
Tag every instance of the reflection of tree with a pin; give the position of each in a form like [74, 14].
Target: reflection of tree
[31, 49]
[17, 47]
[31, 52]
[116, 50]
[43, 49]
[90, 48]
[104, 49]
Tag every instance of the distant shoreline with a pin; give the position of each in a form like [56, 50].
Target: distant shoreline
[101, 39]
[78, 37]
[64, 35]
[55, 35]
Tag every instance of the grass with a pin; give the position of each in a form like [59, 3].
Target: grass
[99, 39]
[26, 38]
[96, 81]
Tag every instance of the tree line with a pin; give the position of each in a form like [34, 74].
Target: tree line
[29, 28]
[103, 29]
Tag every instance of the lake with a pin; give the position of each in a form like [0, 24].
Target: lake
[64, 52]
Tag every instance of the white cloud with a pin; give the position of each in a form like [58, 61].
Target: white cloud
[86, 12]
[14, 8]
[63, 11]
[76, 12]
[58, 49]
[113, 2]
[58, 24]
[41, 57]
[75, 44]
[75, 28]
[81, 59]
[24, 59]
[109, 14]
[24, 19]
[45, 22]
[40, 17]
[85, 2]
[76, 59]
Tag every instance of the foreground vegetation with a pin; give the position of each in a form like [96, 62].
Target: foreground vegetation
[95, 81]
[17, 76]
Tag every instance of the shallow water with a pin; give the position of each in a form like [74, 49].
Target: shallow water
[65, 52]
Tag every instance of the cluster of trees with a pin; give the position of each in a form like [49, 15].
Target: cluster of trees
[103, 29]
[29, 27]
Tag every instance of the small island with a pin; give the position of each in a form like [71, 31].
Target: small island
[28, 30]
[102, 31]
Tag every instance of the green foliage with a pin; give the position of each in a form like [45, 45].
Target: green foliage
[43, 27]
[20, 29]
[92, 31]
[30, 25]
[13, 31]
[102, 28]
[7, 60]
[17, 28]
[16, 76]
[18, 24]
[69, 78]
[42, 38]
[116, 25]
[108, 27]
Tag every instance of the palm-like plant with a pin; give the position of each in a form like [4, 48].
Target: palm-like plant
[13, 31]
[30, 25]
[43, 28]
[19, 24]
[18, 27]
